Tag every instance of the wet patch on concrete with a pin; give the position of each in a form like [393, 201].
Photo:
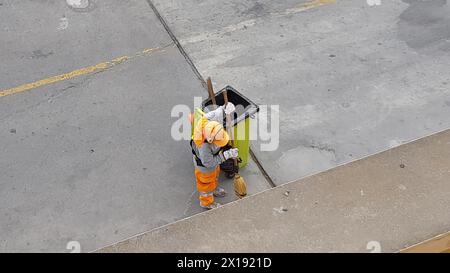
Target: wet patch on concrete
[257, 9]
[303, 161]
[38, 54]
[425, 24]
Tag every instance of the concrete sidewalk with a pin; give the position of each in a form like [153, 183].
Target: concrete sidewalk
[396, 198]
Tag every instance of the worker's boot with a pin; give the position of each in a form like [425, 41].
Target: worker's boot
[211, 206]
[220, 192]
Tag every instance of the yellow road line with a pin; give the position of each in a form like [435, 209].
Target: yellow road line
[218, 35]
[305, 6]
[76, 73]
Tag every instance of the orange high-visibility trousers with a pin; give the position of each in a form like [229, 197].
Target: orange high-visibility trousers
[206, 185]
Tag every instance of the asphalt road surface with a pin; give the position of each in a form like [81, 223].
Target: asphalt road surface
[86, 97]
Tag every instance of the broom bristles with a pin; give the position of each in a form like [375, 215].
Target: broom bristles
[240, 187]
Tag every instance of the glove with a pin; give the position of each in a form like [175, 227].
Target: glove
[231, 153]
[229, 108]
[215, 115]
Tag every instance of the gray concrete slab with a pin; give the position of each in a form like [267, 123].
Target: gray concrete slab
[91, 159]
[351, 79]
[45, 38]
[383, 203]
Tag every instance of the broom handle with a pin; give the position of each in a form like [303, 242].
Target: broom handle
[211, 91]
[225, 98]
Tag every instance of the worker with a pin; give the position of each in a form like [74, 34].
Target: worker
[209, 150]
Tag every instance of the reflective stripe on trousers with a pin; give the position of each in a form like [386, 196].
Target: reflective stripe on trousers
[206, 185]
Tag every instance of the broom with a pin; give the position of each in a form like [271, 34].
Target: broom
[240, 187]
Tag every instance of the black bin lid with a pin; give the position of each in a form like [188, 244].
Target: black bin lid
[244, 106]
